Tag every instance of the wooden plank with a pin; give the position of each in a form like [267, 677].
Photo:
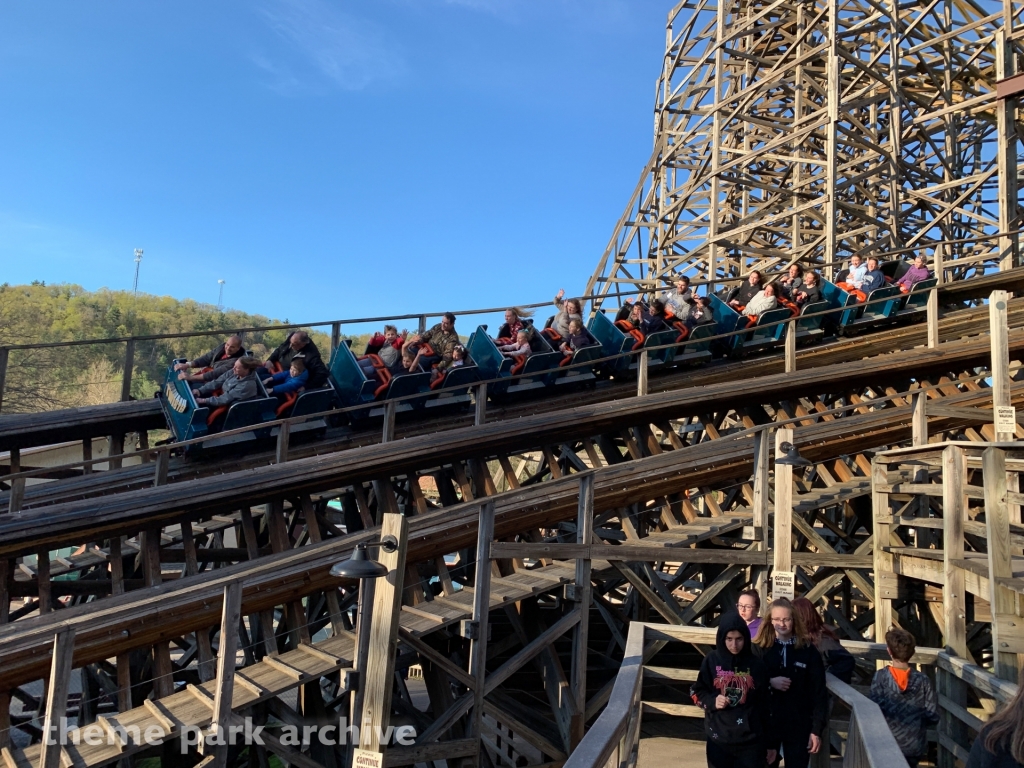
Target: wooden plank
[1000, 366]
[376, 674]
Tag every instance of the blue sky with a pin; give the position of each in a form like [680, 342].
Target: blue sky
[325, 158]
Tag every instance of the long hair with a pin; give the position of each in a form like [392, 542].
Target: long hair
[812, 620]
[521, 313]
[1005, 729]
[766, 634]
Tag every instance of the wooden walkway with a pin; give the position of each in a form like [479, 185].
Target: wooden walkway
[192, 706]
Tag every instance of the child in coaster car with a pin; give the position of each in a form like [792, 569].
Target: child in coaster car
[520, 347]
[285, 382]
[578, 338]
[458, 360]
[408, 364]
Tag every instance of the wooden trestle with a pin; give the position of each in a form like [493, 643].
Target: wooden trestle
[682, 517]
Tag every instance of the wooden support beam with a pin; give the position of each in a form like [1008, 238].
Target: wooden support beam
[284, 432]
[376, 674]
[920, 423]
[230, 615]
[1000, 367]
[481, 608]
[954, 510]
[641, 374]
[57, 697]
[790, 355]
[932, 319]
[163, 668]
[480, 404]
[388, 430]
[204, 650]
[316, 536]
[583, 590]
[782, 537]
[124, 672]
[1003, 601]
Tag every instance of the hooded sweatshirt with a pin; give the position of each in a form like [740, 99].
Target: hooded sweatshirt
[744, 680]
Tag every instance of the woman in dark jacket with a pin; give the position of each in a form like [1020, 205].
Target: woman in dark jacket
[732, 688]
[799, 699]
[1000, 744]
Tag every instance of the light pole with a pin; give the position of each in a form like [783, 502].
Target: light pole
[360, 566]
[220, 296]
[138, 263]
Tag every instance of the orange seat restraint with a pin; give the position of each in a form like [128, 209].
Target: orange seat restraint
[520, 364]
[215, 414]
[384, 377]
[624, 325]
[794, 310]
[289, 401]
[552, 335]
[752, 321]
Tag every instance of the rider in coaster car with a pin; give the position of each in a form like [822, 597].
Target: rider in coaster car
[219, 360]
[285, 382]
[442, 338]
[299, 343]
[236, 385]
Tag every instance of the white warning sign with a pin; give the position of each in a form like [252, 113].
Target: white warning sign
[364, 758]
[1006, 418]
[783, 585]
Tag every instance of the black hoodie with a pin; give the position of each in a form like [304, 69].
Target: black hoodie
[744, 679]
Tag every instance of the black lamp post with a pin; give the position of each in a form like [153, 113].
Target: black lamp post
[359, 566]
[792, 457]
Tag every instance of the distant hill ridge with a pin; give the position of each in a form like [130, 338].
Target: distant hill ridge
[67, 377]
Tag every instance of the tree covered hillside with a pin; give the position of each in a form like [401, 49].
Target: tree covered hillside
[64, 377]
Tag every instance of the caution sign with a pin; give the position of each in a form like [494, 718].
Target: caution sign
[783, 585]
[1006, 418]
[364, 758]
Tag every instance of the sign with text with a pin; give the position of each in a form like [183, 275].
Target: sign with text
[364, 758]
[1006, 418]
[783, 585]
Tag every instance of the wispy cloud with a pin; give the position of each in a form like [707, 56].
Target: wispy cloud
[326, 47]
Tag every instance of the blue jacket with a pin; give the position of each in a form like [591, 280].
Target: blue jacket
[872, 280]
[283, 383]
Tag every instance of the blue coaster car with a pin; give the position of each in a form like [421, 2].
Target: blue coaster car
[188, 420]
[917, 299]
[536, 372]
[844, 303]
[812, 319]
[768, 331]
[453, 388]
[889, 298]
[574, 368]
[615, 343]
[355, 385]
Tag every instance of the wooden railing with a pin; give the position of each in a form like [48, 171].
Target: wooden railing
[613, 740]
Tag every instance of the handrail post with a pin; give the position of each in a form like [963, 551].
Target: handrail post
[480, 416]
[283, 438]
[18, 484]
[919, 428]
[641, 374]
[335, 336]
[4, 355]
[423, 323]
[933, 318]
[791, 346]
[126, 376]
[1000, 367]
[163, 459]
[389, 422]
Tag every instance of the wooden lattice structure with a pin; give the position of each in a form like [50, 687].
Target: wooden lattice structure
[809, 131]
